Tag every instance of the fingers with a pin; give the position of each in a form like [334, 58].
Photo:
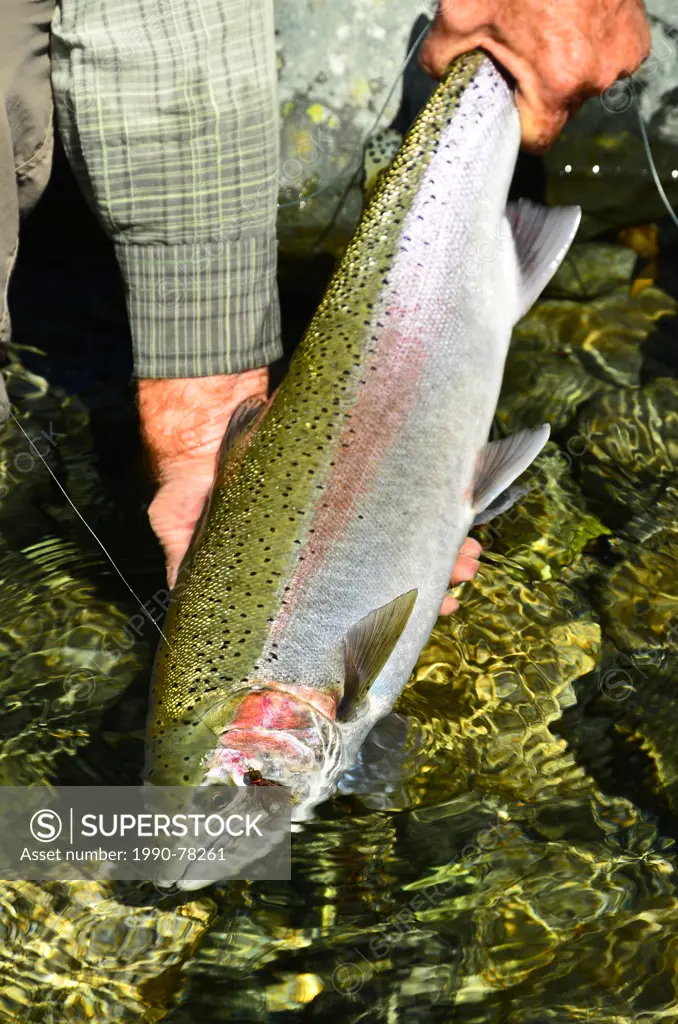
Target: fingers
[542, 113]
[442, 46]
[458, 27]
[541, 118]
[539, 125]
[465, 569]
[471, 547]
[467, 564]
[183, 422]
[449, 605]
[185, 418]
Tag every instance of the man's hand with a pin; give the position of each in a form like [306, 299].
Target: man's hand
[560, 52]
[183, 423]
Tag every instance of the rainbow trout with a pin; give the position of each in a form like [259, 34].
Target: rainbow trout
[325, 549]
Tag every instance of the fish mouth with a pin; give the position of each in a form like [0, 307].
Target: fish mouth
[267, 757]
[213, 852]
[245, 752]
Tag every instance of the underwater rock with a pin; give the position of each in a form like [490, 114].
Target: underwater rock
[632, 453]
[491, 681]
[568, 350]
[593, 269]
[544, 380]
[608, 339]
[25, 482]
[540, 935]
[72, 951]
[48, 432]
[647, 735]
[66, 655]
[638, 597]
[633, 690]
[66, 652]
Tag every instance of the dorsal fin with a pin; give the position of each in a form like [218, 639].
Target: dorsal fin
[241, 422]
[368, 646]
[542, 237]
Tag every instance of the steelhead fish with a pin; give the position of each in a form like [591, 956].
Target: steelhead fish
[326, 547]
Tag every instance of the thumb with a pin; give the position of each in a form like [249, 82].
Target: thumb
[175, 510]
[442, 46]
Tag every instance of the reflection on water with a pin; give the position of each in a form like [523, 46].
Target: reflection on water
[520, 866]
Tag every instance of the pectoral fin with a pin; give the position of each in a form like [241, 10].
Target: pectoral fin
[243, 419]
[368, 646]
[506, 500]
[499, 465]
[542, 237]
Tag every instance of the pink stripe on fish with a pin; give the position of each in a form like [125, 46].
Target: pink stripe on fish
[392, 374]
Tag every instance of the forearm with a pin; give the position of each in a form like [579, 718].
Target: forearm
[169, 118]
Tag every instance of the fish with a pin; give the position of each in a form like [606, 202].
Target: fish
[324, 551]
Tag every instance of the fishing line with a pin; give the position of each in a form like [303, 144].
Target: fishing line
[360, 149]
[653, 166]
[85, 523]
[357, 152]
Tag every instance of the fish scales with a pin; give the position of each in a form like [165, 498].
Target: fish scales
[355, 488]
[261, 503]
